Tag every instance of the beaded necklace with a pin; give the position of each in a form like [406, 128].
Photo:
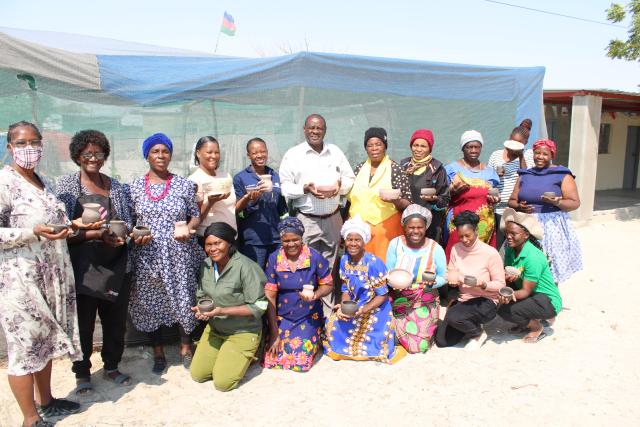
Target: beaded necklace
[165, 191]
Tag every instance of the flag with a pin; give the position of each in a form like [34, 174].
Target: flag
[228, 25]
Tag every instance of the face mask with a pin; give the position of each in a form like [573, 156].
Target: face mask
[27, 157]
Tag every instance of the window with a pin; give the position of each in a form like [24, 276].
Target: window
[603, 143]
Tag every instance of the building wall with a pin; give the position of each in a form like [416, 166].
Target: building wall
[611, 165]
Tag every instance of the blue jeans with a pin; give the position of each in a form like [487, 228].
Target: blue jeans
[258, 253]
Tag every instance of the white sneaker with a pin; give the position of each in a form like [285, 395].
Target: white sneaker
[475, 343]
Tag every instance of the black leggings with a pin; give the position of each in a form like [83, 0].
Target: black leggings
[536, 307]
[464, 318]
[156, 336]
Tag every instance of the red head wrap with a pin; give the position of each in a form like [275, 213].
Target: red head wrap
[425, 134]
[546, 143]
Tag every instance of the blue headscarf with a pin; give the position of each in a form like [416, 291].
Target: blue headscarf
[291, 224]
[155, 139]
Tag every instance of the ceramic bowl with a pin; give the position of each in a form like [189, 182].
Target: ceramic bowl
[205, 305]
[399, 278]
[429, 276]
[251, 188]
[506, 292]
[390, 193]
[57, 228]
[512, 271]
[90, 213]
[119, 228]
[140, 231]
[349, 308]
[307, 290]
[428, 191]
[549, 194]
[470, 280]
[513, 145]
[326, 189]
[217, 186]
[494, 192]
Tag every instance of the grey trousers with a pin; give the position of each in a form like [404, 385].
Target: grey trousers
[323, 235]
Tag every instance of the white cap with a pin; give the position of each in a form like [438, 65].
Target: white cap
[471, 135]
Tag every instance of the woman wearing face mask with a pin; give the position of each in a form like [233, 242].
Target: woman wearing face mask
[37, 295]
[476, 304]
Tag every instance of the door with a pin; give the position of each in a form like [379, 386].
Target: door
[632, 155]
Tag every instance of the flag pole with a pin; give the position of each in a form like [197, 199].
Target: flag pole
[217, 40]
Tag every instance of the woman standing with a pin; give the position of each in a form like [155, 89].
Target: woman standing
[560, 241]
[369, 334]
[165, 265]
[99, 258]
[235, 285]
[424, 171]
[471, 181]
[416, 308]
[476, 304]
[215, 207]
[376, 173]
[506, 163]
[295, 318]
[536, 295]
[37, 291]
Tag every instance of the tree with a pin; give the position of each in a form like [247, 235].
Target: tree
[629, 49]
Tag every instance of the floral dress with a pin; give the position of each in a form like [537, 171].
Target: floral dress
[370, 336]
[37, 290]
[166, 270]
[300, 323]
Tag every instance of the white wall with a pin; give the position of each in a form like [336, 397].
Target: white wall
[611, 166]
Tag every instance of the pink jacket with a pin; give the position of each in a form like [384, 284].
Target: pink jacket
[482, 261]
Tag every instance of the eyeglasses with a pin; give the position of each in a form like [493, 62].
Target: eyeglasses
[88, 156]
[22, 143]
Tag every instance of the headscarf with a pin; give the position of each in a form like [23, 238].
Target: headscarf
[470, 136]
[155, 139]
[379, 133]
[291, 224]
[221, 230]
[416, 166]
[546, 143]
[416, 211]
[356, 225]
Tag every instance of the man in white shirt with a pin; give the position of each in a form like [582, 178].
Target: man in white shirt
[313, 176]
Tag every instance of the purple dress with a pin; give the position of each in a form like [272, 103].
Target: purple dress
[560, 242]
[299, 323]
[166, 270]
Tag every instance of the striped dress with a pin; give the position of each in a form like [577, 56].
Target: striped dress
[508, 180]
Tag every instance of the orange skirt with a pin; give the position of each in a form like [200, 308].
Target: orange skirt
[382, 234]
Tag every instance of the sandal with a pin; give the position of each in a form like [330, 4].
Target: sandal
[57, 408]
[83, 387]
[159, 365]
[531, 339]
[119, 378]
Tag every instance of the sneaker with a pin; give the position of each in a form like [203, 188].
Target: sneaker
[476, 343]
[58, 408]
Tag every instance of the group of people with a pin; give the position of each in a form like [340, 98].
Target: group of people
[259, 265]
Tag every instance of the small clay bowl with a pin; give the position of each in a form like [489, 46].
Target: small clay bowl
[389, 193]
[428, 191]
[550, 194]
[500, 170]
[307, 290]
[494, 192]
[141, 231]
[327, 190]
[349, 308]
[205, 305]
[429, 276]
[506, 292]
[470, 280]
[57, 228]
[512, 271]
[399, 278]
[251, 188]
[119, 228]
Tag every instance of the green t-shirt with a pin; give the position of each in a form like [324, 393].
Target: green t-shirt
[534, 267]
[241, 283]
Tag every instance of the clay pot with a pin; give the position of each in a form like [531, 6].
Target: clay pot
[141, 231]
[428, 191]
[550, 194]
[494, 192]
[326, 189]
[265, 183]
[349, 308]
[90, 214]
[512, 271]
[205, 305]
[57, 228]
[399, 278]
[119, 228]
[307, 290]
[505, 292]
[389, 193]
[181, 229]
[217, 186]
[500, 170]
[429, 276]
[470, 280]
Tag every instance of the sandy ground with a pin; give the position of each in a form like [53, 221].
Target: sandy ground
[585, 372]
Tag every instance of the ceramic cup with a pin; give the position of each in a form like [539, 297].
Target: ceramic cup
[500, 170]
[506, 292]
[429, 276]
[428, 191]
[181, 229]
[205, 305]
[307, 290]
[119, 228]
[512, 271]
[90, 213]
[140, 231]
[349, 308]
[265, 183]
[470, 280]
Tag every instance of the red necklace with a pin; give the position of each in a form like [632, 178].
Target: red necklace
[147, 188]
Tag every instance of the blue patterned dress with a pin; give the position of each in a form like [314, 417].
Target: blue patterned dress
[166, 270]
[370, 336]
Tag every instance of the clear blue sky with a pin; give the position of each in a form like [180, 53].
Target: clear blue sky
[464, 31]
